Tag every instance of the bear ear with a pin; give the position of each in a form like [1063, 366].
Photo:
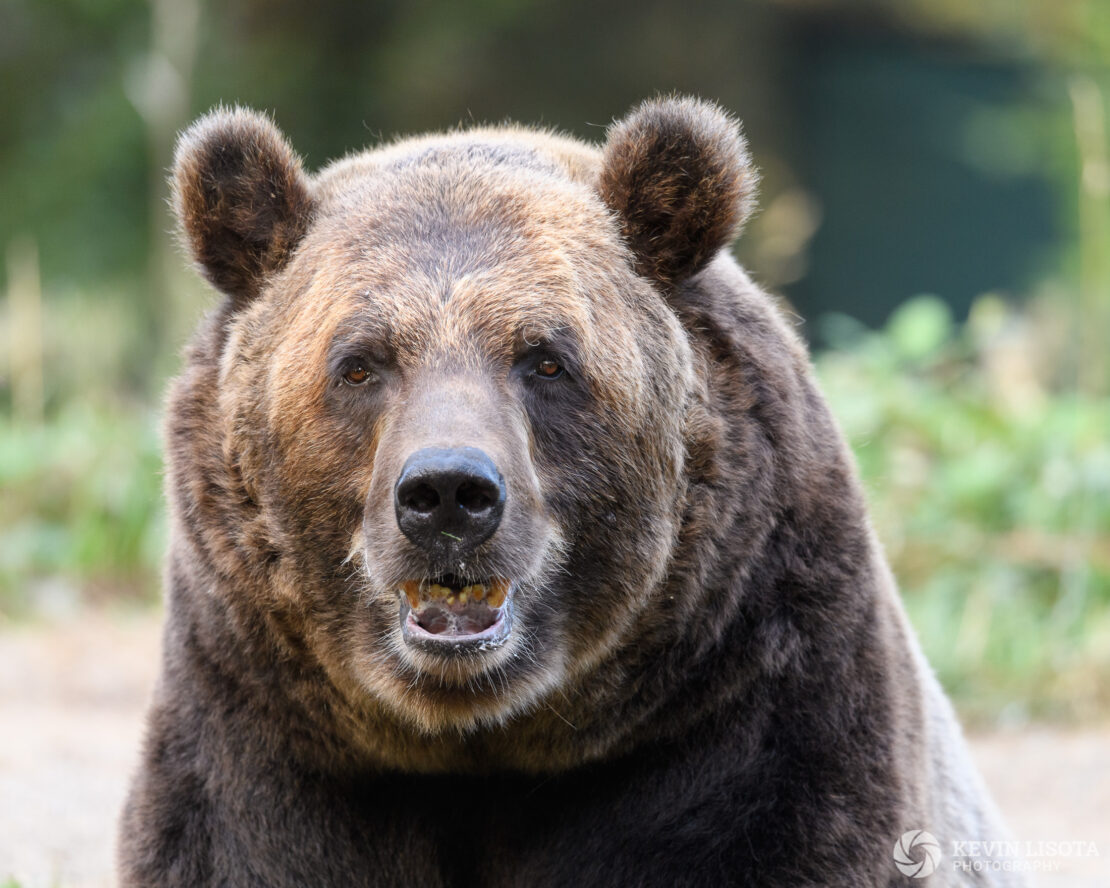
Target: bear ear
[242, 200]
[676, 171]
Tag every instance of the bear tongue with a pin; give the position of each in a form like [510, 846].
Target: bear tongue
[454, 619]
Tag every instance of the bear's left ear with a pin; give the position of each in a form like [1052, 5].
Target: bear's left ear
[242, 199]
[676, 171]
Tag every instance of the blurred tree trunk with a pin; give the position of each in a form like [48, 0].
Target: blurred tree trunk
[25, 303]
[159, 86]
[1093, 316]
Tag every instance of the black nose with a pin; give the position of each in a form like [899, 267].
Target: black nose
[449, 501]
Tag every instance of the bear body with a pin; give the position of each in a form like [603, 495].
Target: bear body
[512, 541]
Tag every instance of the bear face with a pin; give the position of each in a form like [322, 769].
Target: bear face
[456, 405]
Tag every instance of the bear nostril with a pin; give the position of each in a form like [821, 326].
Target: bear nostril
[421, 498]
[474, 497]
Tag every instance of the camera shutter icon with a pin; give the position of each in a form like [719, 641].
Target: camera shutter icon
[917, 854]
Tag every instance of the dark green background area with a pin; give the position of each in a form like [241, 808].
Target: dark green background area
[912, 203]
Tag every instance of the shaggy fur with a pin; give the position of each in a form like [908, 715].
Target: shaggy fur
[681, 183]
[241, 199]
[709, 679]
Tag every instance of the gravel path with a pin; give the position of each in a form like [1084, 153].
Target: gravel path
[71, 702]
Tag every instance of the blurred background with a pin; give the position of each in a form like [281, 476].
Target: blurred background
[935, 212]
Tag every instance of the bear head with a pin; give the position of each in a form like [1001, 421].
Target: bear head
[455, 401]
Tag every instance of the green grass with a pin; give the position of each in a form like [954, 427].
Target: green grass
[81, 517]
[989, 485]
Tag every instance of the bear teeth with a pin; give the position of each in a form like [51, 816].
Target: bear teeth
[492, 593]
[498, 590]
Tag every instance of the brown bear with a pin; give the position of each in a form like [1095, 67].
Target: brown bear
[513, 543]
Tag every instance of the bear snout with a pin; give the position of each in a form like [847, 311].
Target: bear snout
[448, 501]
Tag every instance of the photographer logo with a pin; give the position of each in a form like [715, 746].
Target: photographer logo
[917, 854]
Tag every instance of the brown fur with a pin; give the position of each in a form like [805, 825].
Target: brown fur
[709, 678]
[680, 180]
[241, 198]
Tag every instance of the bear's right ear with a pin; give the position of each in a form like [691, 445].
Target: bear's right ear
[676, 173]
[241, 198]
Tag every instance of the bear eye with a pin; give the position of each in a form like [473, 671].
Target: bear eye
[356, 373]
[548, 368]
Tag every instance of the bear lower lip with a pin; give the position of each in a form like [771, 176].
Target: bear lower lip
[447, 613]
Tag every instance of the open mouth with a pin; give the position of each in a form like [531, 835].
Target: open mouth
[451, 613]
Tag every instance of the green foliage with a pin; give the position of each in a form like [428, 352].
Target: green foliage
[81, 516]
[991, 493]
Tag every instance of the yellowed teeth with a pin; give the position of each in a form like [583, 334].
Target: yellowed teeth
[498, 589]
[493, 594]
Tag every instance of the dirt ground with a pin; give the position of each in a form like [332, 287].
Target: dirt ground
[72, 695]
